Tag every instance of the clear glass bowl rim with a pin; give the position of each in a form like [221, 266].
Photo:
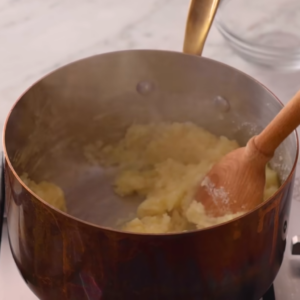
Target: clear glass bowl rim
[252, 46]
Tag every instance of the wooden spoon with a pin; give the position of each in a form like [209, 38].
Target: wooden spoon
[236, 183]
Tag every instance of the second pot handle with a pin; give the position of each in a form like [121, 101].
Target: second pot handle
[2, 194]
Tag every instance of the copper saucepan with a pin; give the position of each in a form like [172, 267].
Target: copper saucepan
[77, 255]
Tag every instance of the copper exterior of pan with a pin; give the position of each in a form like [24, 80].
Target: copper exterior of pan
[77, 255]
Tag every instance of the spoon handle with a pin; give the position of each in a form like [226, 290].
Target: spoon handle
[200, 17]
[287, 120]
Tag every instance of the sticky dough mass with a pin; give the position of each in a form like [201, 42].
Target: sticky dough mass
[47, 191]
[164, 163]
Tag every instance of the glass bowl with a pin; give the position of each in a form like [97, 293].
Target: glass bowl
[265, 32]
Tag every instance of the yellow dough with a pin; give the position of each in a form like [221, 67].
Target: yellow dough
[164, 163]
[48, 191]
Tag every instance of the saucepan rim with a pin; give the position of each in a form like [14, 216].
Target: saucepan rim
[281, 188]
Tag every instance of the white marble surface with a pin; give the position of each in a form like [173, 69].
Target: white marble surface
[38, 36]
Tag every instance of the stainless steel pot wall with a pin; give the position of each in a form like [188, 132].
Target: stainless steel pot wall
[76, 255]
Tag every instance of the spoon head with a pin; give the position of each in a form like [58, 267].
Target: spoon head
[235, 184]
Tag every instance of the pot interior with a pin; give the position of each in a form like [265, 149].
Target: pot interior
[100, 97]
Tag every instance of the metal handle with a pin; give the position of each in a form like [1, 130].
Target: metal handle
[200, 18]
[2, 195]
[296, 245]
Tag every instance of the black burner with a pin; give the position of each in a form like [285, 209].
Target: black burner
[270, 294]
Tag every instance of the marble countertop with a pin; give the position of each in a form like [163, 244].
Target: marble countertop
[37, 36]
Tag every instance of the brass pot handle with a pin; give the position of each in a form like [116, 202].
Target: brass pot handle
[200, 18]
